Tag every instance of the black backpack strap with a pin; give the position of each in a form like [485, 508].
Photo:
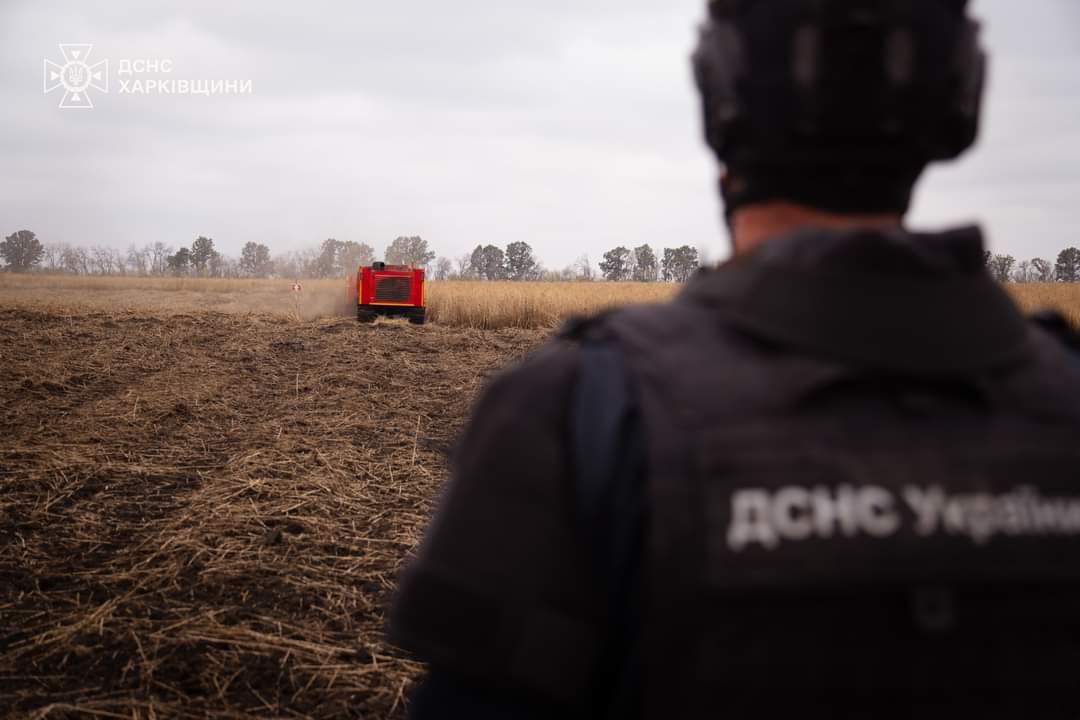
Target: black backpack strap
[600, 408]
[609, 472]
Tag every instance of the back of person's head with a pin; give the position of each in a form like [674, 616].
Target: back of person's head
[837, 104]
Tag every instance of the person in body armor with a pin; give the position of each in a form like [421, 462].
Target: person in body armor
[839, 474]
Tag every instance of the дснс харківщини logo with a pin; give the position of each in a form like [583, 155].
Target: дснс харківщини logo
[76, 76]
[79, 79]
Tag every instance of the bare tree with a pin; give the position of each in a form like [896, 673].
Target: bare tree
[69, 259]
[464, 267]
[443, 269]
[583, 268]
[354, 255]
[567, 274]
[296, 264]
[216, 265]
[138, 259]
[289, 265]
[159, 254]
[54, 257]
[119, 262]
[104, 260]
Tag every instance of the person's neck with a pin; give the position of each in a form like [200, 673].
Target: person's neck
[756, 224]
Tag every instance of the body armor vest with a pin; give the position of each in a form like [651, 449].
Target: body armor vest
[842, 477]
[875, 541]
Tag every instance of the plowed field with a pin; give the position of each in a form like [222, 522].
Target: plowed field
[203, 510]
[202, 515]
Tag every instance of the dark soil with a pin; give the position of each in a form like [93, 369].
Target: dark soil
[204, 515]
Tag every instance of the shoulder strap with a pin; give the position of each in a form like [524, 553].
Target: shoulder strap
[599, 410]
[609, 458]
[608, 452]
[609, 466]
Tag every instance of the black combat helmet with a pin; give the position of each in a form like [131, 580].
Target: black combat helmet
[838, 104]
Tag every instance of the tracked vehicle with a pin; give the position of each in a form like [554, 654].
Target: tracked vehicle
[388, 291]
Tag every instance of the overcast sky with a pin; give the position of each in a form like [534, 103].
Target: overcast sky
[570, 125]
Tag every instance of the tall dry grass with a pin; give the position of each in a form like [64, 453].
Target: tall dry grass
[459, 304]
[533, 304]
[1063, 297]
[171, 296]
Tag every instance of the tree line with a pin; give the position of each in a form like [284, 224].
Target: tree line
[642, 265]
[22, 251]
[1005, 268]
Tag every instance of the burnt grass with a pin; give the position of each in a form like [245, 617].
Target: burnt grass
[204, 515]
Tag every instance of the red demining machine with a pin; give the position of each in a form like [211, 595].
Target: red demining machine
[390, 291]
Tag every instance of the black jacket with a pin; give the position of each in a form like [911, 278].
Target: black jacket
[764, 515]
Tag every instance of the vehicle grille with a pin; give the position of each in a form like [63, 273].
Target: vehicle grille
[393, 289]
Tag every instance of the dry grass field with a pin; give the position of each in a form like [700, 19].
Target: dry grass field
[1057, 296]
[203, 514]
[455, 304]
[207, 490]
